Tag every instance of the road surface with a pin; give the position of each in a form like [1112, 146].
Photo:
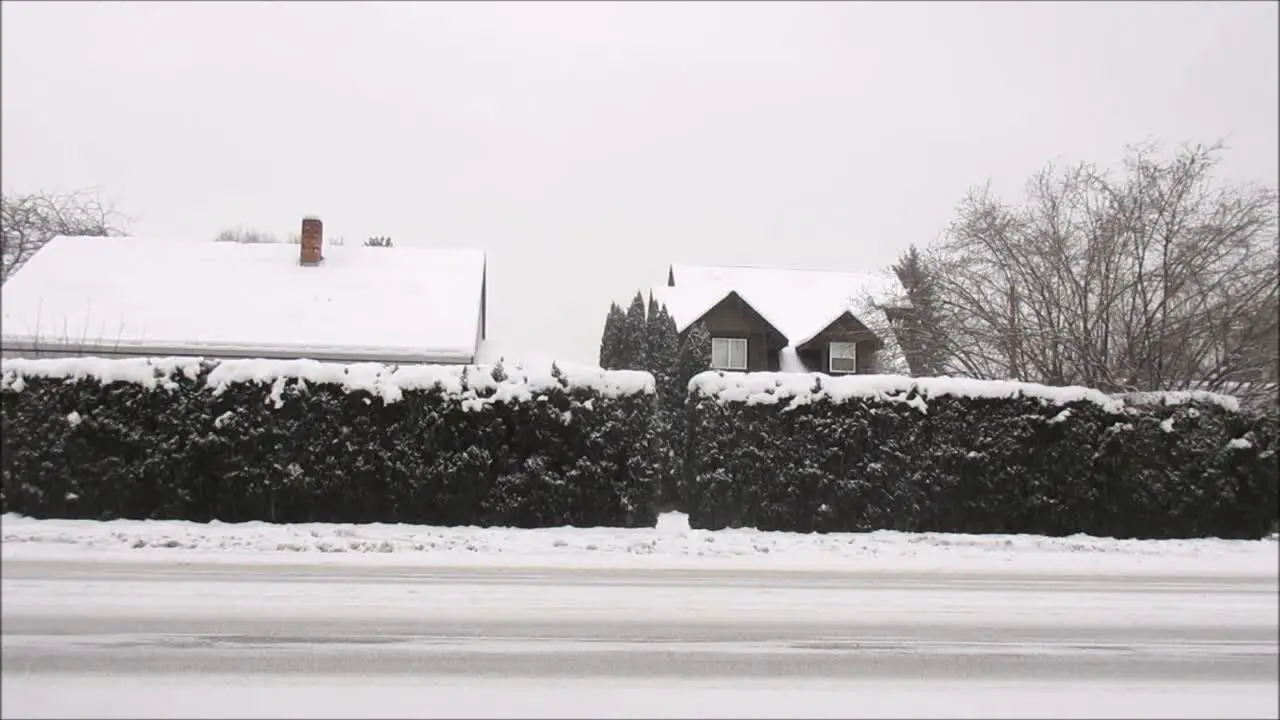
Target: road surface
[134, 639]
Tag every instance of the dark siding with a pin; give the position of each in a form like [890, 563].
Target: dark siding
[734, 318]
[845, 329]
[812, 359]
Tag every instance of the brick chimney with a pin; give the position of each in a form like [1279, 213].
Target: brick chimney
[312, 241]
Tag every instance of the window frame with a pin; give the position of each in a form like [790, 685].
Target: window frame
[730, 344]
[832, 356]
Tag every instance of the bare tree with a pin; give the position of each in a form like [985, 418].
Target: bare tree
[1161, 279]
[30, 221]
[335, 240]
[250, 236]
[247, 236]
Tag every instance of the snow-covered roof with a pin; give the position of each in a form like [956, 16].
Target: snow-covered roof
[798, 303]
[135, 295]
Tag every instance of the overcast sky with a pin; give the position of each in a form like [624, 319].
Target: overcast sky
[587, 145]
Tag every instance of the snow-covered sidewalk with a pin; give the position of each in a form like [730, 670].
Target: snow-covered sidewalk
[255, 696]
[670, 545]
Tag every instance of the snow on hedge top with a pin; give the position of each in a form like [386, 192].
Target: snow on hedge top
[148, 372]
[387, 382]
[157, 297]
[1180, 397]
[769, 388]
[797, 303]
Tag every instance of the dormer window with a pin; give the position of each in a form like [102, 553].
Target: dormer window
[843, 357]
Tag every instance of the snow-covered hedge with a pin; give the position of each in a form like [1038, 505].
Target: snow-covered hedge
[812, 452]
[295, 441]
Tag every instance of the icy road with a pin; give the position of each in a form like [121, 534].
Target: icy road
[202, 638]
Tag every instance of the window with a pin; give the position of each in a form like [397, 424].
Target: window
[729, 353]
[844, 357]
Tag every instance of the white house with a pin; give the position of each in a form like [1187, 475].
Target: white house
[128, 296]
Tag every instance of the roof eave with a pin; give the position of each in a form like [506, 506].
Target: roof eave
[442, 356]
[721, 298]
[827, 326]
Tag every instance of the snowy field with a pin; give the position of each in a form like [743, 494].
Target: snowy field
[168, 619]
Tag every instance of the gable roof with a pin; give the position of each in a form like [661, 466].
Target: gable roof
[799, 303]
[128, 294]
[832, 319]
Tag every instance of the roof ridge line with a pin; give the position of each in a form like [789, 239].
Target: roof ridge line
[771, 267]
[279, 243]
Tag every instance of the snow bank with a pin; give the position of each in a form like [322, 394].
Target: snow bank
[801, 388]
[474, 382]
[673, 523]
[671, 544]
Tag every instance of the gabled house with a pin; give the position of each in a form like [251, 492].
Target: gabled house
[781, 319]
[131, 297]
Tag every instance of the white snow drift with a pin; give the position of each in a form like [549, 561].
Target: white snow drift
[670, 544]
[769, 388]
[385, 381]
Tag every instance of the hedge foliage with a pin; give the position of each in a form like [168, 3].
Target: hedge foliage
[564, 454]
[949, 462]
[481, 448]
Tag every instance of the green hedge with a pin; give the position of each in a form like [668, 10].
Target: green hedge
[308, 442]
[286, 441]
[817, 453]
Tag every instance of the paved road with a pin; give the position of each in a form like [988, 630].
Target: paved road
[63, 619]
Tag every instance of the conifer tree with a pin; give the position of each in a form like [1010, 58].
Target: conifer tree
[651, 337]
[664, 356]
[920, 332]
[695, 355]
[611, 339]
[634, 336]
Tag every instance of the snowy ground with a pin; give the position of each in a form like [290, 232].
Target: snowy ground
[174, 619]
[343, 697]
[670, 545]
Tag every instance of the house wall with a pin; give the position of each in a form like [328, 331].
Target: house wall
[733, 318]
[48, 353]
[845, 329]
[813, 359]
[179, 352]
